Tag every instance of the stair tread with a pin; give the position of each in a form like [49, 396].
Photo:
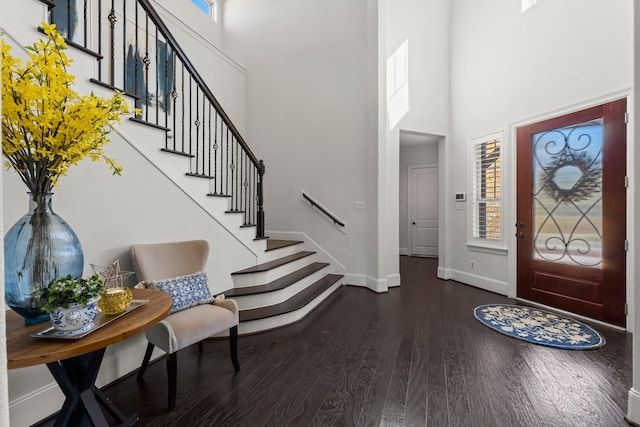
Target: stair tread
[279, 283]
[275, 263]
[294, 303]
[199, 175]
[274, 244]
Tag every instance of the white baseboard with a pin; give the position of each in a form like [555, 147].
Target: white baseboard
[570, 314]
[633, 409]
[393, 280]
[365, 281]
[404, 251]
[444, 273]
[36, 405]
[482, 282]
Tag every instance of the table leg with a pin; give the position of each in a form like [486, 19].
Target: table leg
[76, 377]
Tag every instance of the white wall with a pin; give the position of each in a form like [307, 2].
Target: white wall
[508, 67]
[412, 155]
[425, 25]
[312, 105]
[307, 103]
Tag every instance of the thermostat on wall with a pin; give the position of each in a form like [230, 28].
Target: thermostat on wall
[461, 197]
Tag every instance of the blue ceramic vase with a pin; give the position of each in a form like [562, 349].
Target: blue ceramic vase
[39, 248]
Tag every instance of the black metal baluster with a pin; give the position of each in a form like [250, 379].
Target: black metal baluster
[174, 96]
[240, 185]
[254, 180]
[166, 93]
[245, 188]
[86, 33]
[234, 173]
[232, 167]
[202, 131]
[124, 45]
[183, 96]
[134, 58]
[215, 154]
[146, 60]
[226, 185]
[205, 169]
[100, 63]
[260, 230]
[112, 19]
[250, 171]
[157, 68]
[209, 140]
[190, 114]
[69, 33]
[197, 125]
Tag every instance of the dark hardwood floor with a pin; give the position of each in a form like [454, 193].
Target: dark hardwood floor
[414, 356]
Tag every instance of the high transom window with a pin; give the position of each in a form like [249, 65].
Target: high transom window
[526, 4]
[210, 7]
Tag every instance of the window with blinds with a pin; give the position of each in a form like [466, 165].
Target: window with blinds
[486, 189]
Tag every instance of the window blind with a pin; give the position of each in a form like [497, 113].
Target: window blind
[486, 190]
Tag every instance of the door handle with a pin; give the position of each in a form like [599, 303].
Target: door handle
[520, 235]
[413, 223]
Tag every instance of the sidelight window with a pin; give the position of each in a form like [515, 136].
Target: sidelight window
[486, 188]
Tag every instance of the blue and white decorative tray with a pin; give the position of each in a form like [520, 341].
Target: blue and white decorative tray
[100, 320]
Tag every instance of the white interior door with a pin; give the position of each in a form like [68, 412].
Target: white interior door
[423, 210]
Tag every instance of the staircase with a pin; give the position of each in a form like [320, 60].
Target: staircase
[281, 291]
[202, 152]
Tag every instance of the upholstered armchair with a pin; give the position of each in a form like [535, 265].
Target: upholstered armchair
[178, 268]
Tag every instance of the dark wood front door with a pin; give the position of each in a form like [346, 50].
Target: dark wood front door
[571, 212]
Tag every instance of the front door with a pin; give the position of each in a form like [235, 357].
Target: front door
[571, 206]
[423, 202]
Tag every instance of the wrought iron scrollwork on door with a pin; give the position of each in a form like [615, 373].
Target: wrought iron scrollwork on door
[568, 194]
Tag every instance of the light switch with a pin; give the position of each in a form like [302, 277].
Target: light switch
[359, 205]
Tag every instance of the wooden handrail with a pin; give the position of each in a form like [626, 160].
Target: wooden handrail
[323, 210]
[146, 5]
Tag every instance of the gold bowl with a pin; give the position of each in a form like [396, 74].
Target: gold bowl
[115, 300]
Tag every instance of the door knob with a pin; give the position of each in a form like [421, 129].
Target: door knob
[414, 223]
[520, 235]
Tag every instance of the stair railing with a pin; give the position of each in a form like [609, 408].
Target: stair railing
[314, 204]
[138, 55]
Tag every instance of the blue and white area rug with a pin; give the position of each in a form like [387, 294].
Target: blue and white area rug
[539, 326]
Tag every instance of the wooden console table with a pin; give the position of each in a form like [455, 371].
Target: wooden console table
[75, 363]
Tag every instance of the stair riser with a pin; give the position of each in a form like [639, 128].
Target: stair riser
[264, 277]
[282, 252]
[247, 302]
[286, 318]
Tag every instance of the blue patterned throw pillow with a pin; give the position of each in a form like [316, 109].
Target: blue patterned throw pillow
[186, 291]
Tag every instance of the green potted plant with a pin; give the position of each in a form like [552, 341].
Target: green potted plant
[72, 304]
